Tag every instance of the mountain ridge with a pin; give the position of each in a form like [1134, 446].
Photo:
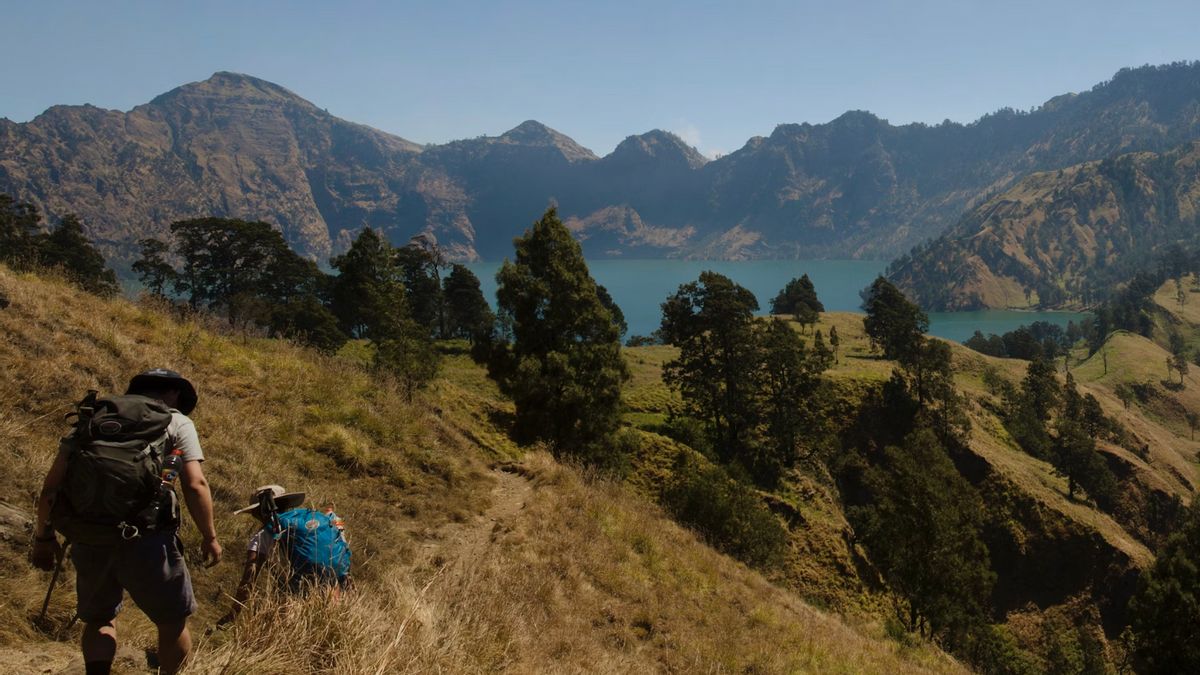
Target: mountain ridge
[857, 186]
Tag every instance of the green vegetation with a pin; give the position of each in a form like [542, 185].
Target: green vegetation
[923, 530]
[894, 324]
[24, 245]
[1165, 612]
[742, 377]
[799, 298]
[563, 367]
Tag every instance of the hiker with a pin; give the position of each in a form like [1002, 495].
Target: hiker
[313, 544]
[111, 493]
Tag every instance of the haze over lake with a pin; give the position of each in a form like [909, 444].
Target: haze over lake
[640, 286]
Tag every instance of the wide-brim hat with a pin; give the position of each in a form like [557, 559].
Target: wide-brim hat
[160, 378]
[283, 499]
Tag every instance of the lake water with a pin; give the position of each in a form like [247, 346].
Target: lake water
[639, 287]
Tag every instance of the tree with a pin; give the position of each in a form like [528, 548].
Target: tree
[152, 267]
[1125, 393]
[799, 298]
[796, 293]
[370, 301]
[467, 312]
[420, 271]
[834, 342]
[368, 293]
[563, 368]
[711, 322]
[893, 324]
[921, 528]
[20, 225]
[1193, 421]
[68, 248]
[1074, 456]
[238, 266]
[1040, 388]
[1165, 610]
[617, 315]
[789, 377]
[307, 320]
[1181, 365]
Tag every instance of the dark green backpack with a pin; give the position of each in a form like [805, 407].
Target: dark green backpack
[117, 486]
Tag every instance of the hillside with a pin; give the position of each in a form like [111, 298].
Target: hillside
[1061, 238]
[856, 186]
[1056, 558]
[471, 554]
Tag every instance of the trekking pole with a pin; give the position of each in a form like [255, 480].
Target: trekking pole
[53, 582]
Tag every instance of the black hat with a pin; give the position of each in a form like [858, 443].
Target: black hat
[161, 378]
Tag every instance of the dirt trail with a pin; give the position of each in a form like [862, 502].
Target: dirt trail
[62, 658]
[457, 544]
[450, 550]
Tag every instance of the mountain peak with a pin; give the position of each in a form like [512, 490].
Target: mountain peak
[233, 85]
[660, 145]
[536, 134]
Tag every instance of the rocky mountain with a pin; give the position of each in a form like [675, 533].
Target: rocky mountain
[1061, 238]
[857, 186]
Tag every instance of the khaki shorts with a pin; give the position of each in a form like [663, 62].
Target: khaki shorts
[151, 569]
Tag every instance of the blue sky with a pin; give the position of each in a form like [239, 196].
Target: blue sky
[716, 73]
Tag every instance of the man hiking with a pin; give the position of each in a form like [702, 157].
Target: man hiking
[313, 546]
[111, 493]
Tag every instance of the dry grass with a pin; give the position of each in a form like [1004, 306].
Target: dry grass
[459, 568]
[582, 578]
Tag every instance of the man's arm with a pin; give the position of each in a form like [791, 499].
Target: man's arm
[45, 545]
[199, 504]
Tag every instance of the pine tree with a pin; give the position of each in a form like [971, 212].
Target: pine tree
[789, 377]
[67, 247]
[368, 292]
[563, 368]
[152, 267]
[711, 321]
[799, 298]
[20, 225]
[1165, 610]
[370, 301]
[922, 531]
[893, 324]
[420, 271]
[467, 312]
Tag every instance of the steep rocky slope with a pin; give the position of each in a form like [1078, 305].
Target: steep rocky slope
[857, 186]
[1060, 238]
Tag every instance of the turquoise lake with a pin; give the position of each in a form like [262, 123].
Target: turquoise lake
[640, 286]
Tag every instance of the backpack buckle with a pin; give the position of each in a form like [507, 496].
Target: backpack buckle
[128, 532]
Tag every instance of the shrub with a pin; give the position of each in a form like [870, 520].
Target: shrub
[727, 513]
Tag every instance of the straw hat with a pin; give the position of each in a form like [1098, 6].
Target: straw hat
[284, 500]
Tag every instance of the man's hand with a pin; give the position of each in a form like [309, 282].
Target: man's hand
[45, 553]
[210, 551]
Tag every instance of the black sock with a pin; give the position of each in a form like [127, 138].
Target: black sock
[97, 667]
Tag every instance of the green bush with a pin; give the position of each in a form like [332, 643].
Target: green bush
[727, 513]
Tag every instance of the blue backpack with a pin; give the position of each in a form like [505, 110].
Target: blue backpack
[314, 544]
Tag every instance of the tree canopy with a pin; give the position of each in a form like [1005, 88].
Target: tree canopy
[893, 324]
[563, 367]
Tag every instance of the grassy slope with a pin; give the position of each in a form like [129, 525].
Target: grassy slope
[1059, 552]
[573, 574]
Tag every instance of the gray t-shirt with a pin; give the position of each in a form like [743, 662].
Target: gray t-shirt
[181, 435]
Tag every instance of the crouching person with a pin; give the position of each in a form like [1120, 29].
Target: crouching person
[311, 545]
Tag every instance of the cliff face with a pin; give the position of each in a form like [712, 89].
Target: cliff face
[857, 186]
